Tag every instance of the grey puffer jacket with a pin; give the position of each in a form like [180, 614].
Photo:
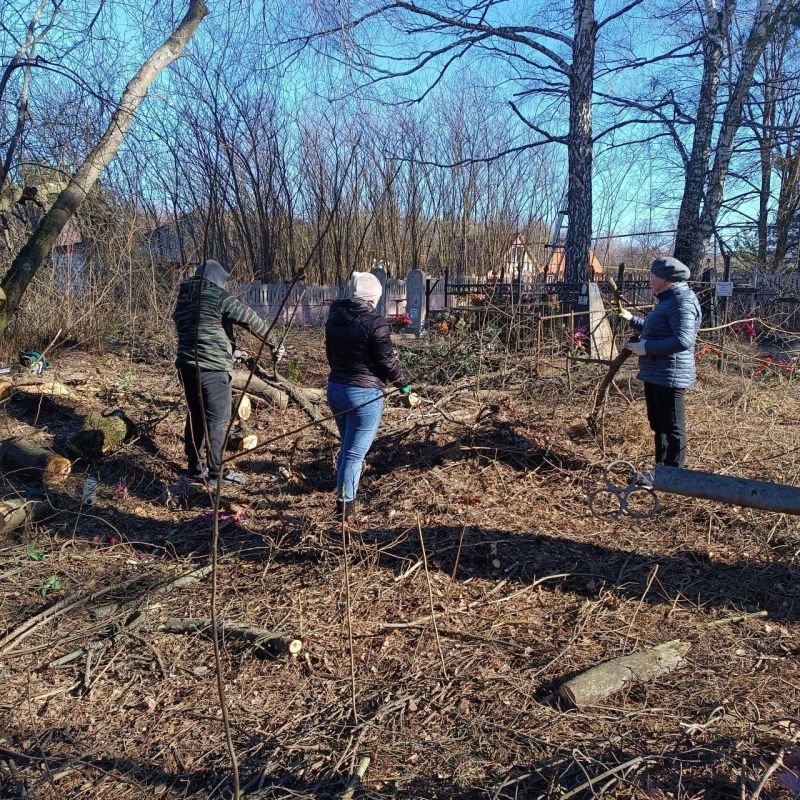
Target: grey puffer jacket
[670, 332]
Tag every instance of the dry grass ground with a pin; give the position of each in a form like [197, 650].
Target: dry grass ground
[527, 589]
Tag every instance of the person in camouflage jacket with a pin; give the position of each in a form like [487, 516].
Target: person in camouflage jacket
[204, 317]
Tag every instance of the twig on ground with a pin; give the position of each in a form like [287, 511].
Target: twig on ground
[430, 597]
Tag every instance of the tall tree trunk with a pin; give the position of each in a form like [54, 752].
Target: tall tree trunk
[788, 203]
[765, 134]
[688, 244]
[765, 155]
[579, 144]
[39, 245]
[24, 55]
[764, 23]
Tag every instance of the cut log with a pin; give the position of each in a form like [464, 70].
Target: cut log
[261, 388]
[23, 457]
[242, 438]
[261, 639]
[6, 388]
[100, 434]
[16, 512]
[243, 407]
[43, 388]
[591, 687]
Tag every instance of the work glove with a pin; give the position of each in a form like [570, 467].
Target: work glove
[624, 315]
[278, 353]
[637, 348]
[241, 355]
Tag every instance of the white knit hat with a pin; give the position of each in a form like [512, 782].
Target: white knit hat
[365, 286]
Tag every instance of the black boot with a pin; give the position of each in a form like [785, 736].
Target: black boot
[348, 507]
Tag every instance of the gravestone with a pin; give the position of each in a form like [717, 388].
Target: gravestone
[380, 274]
[600, 340]
[415, 300]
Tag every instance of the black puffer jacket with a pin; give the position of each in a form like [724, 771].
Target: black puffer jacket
[359, 347]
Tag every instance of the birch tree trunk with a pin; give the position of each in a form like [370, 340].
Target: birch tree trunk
[687, 242]
[38, 247]
[764, 23]
[579, 143]
[703, 196]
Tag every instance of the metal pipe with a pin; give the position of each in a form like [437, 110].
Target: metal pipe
[726, 489]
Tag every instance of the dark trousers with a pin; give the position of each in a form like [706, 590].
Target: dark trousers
[666, 412]
[209, 400]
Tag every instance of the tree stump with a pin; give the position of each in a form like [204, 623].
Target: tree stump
[242, 438]
[21, 456]
[100, 434]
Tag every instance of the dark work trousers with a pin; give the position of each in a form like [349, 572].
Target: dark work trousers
[209, 401]
[666, 412]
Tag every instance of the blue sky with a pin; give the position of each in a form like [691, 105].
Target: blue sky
[635, 185]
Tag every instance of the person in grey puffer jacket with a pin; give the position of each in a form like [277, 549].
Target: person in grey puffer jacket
[666, 356]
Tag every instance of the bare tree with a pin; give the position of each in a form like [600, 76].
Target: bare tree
[35, 251]
[555, 58]
[707, 164]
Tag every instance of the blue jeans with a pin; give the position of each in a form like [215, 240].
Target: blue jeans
[358, 414]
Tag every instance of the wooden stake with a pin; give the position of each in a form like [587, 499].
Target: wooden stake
[356, 777]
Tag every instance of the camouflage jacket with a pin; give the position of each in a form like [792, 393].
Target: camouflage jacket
[210, 323]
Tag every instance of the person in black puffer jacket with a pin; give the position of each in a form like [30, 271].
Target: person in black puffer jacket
[666, 356]
[362, 362]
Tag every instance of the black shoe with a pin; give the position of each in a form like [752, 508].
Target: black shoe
[348, 507]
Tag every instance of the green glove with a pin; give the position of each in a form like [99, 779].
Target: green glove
[624, 315]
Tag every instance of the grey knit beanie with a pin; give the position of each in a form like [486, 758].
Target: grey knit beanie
[213, 272]
[670, 269]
